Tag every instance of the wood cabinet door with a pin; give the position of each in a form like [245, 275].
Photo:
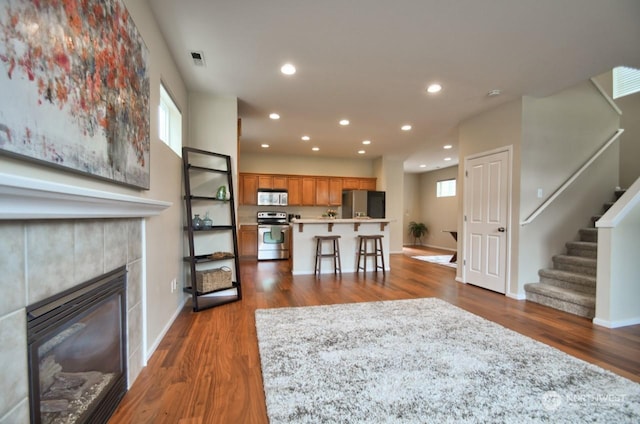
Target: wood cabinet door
[265, 181]
[248, 189]
[367, 184]
[335, 191]
[280, 182]
[248, 240]
[351, 183]
[308, 191]
[322, 191]
[294, 187]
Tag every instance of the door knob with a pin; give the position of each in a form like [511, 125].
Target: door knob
[501, 230]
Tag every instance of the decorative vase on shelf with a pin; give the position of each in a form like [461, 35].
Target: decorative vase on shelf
[221, 194]
[207, 222]
[197, 222]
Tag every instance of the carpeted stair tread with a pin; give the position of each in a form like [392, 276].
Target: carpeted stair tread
[568, 280]
[587, 249]
[589, 234]
[576, 264]
[567, 300]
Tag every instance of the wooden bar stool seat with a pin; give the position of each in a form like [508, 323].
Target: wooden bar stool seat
[375, 243]
[333, 253]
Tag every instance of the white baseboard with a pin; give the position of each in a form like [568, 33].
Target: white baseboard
[431, 246]
[164, 331]
[517, 296]
[616, 324]
[460, 280]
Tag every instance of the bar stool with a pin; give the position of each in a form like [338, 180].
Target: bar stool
[363, 252]
[334, 253]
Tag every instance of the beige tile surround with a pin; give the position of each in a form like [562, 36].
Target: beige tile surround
[41, 258]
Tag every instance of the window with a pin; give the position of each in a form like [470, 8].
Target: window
[169, 122]
[446, 188]
[625, 81]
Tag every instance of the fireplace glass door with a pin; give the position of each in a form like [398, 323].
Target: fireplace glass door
[77, 354]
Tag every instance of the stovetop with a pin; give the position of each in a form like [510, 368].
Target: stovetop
[272, 218]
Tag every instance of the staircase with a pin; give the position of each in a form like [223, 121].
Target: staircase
[570, 285]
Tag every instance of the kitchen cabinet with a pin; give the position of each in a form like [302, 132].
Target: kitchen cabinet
[248, 189]
[335, 191]
[308, 191]
[304, 190]
[351, 183]
[294, 188]
[322, 191]
[367, 184]
[272, 181]
[248, 241]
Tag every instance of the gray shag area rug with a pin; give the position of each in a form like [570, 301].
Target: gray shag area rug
[425, 361]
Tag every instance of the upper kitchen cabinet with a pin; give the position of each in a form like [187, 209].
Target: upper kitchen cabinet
[351, 183]
[294, 188]
[272, 181]
[335, 191]
[308, 191]
[248, 189]
[328, 191]
[367, 184]
[322, 191]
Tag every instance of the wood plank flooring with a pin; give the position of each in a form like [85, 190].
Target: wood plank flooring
[207, 368]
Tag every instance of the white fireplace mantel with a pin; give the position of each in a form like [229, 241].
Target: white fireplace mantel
[29, 198]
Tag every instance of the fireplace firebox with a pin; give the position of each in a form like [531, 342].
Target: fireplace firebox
[77, 352]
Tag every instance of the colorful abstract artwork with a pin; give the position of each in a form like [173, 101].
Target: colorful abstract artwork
[74, 87]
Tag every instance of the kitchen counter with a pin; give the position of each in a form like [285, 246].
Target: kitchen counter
[303, 234]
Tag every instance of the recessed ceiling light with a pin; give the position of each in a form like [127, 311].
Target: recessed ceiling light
[361, 152]
[434, 88]
[447, 158]
[274, 116]
[366, 142]
[406, 127]
[264, 146]
[306, 138]
[288, 69]
[344, 122]
[423, 166]
[494, 93]
[315, 149]
[447, 146]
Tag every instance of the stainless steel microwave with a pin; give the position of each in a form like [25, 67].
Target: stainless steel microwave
[268, 197]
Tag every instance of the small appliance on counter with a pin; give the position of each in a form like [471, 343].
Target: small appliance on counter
[269, 197]
[273, 235]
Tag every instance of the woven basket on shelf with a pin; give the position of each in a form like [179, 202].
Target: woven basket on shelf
[213, 279]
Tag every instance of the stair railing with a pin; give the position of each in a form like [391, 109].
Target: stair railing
[572, 178]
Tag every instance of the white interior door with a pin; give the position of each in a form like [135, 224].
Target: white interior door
[486, 200]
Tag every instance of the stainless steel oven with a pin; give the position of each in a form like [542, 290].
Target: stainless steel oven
[273, 235]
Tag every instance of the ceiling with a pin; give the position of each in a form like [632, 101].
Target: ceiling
[370, 61]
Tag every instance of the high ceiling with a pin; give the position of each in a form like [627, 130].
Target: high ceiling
[370, 61]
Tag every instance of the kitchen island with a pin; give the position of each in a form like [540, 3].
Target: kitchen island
[303, 234]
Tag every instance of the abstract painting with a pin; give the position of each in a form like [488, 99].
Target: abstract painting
[74, 88]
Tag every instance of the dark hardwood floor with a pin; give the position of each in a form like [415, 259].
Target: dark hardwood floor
[207, 368]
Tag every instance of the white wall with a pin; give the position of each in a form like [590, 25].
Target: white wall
[164, 232]
[439, 213]
[306, 165]
[496, 128]
[630, 139]
[560, 133]
[411, 204]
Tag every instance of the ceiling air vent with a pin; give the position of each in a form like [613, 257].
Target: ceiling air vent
[198, 58]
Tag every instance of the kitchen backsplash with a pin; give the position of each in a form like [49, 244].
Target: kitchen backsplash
[247, 214]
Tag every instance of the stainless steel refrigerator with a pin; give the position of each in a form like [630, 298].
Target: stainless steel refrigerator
[363, 203]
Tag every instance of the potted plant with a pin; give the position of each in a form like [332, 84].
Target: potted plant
[417, 230]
